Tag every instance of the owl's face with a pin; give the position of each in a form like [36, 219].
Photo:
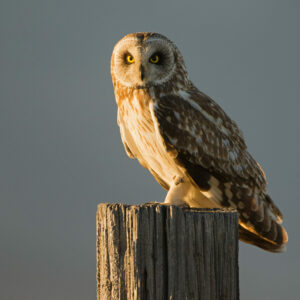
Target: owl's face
[141, 61]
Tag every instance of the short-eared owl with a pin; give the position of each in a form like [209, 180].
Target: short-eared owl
[184, 138]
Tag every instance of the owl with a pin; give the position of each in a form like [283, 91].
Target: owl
[188, 143]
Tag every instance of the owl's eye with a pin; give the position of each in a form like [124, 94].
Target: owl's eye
[154, 59]
[129, 59]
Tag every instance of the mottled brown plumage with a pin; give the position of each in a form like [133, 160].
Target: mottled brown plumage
[188, 143]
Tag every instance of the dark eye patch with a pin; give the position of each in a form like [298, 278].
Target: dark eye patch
[161, 57]
[125, 55]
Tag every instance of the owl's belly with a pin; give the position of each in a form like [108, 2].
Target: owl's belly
[156, 157]
[149, 147]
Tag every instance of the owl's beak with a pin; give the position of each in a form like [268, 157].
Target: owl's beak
[142, 72]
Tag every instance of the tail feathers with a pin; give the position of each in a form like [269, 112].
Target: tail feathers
[262, 227]
[252, 238]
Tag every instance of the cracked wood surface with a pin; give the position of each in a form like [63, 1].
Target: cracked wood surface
[154, 251]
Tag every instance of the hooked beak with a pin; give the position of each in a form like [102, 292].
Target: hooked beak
[142, 72]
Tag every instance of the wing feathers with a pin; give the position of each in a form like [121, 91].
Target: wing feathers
[212, 151]
[184, 127]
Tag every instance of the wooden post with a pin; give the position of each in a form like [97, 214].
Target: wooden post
[159, 252]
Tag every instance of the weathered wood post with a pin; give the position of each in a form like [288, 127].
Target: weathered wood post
[156, 252]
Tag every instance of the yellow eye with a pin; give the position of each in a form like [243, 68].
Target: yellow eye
[129, 59]
[154, 59]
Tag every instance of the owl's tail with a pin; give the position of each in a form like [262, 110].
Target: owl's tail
[263, 228]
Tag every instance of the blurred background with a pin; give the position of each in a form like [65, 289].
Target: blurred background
[60, 149]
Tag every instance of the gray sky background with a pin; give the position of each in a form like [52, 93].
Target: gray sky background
[61, 153]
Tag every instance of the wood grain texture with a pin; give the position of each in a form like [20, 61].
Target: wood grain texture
[155, 251]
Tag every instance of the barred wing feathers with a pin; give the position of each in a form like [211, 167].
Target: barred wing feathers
[211, 149]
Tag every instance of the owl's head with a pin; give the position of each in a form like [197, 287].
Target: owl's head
[145, 59]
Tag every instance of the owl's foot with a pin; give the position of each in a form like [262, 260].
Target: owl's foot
[177, 192]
